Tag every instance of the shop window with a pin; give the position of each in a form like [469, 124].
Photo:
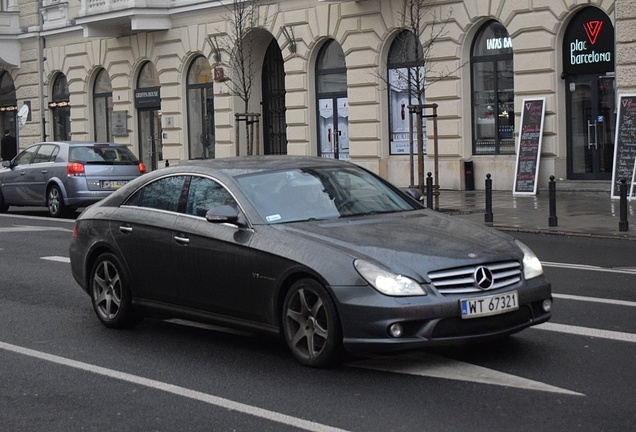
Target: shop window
[406, 87]
[200, 110]
[61, 109]
[493, 91]
[103, 107]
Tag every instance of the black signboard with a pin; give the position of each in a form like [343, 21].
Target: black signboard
[529, 148]
[588, 44]
[625, 142]
[148, 97]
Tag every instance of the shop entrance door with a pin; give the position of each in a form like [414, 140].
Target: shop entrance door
[150, 138]
[591, 127]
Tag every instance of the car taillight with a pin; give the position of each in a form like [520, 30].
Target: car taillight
[142, 168]
[75, 169]
[75, 231]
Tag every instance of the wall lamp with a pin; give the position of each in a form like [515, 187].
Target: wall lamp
[216, 52]
[291, 43]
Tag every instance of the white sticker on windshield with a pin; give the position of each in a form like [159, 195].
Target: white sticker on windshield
[273, 218]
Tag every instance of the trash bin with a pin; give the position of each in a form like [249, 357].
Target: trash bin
[469, 176]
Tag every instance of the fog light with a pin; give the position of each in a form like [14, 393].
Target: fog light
[396, 330]
[547, 305]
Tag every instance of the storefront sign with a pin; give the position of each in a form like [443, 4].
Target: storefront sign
[625, 143]
[588, 46]
[529, 148]
[149, 97]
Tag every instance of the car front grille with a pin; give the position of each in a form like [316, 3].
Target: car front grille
[462, 280]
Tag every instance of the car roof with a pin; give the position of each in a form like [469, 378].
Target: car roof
[233, 166]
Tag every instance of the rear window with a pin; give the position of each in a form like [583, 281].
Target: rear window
[102, 154]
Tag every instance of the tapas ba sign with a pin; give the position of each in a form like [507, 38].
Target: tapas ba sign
[529, 147]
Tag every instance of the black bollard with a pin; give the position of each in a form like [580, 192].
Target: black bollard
[552, 220]
[623, 225]
[429, 190]
[488, 216]
[167, 163]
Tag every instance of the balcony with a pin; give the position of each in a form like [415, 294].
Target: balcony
[113, 18]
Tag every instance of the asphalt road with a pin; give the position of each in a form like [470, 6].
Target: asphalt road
[61, 370]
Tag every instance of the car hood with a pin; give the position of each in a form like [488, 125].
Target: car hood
[409, 243]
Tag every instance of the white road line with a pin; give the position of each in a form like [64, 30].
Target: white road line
[42, 218]
[595, 300]
[179, 391]
[631, 271]
[57, 259]
[586, 331]
[423, 364]
[30, 228]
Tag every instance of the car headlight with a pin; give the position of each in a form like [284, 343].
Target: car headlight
[387, 282]
[531, 264]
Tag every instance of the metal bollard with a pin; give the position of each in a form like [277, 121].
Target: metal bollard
[552, 219]
[488, 216]
[429, 190]
[623, 225]
[167, 163]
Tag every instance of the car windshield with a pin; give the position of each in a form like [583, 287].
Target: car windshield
[320, 193]
[102, 154]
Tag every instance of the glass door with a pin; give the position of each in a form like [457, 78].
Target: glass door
[591, 108]
[333, 130]
[150, 138]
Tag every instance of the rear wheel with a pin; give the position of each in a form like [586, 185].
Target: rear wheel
[110, 293]
[55, 201]
[311, 325]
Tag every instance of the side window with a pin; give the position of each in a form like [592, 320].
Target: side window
[45, 153]
[25, 157]
[205, 194]
[163, 194]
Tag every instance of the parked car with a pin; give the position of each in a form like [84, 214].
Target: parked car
[320, 251]
[66, 175]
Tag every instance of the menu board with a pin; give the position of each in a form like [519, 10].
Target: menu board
[625, 143]
[529, 147]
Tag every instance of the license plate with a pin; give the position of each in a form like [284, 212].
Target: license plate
[113, 184]
[489, 305]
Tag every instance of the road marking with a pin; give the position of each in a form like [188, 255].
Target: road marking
[586, 331]
[30, 228]
[595, 300]
[630, 271]
[423, 364]
[177, 390]
[57, 259]
[42, 218]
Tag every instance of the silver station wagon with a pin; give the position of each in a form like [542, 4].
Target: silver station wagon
[66, 175]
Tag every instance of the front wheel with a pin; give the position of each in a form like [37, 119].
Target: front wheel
[55, 202]
[110, 293]
[310, 324]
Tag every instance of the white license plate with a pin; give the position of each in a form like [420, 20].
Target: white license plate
[113, 184]
[489, 305]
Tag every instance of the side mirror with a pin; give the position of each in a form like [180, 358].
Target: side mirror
[6, 164]
[222, 214]
[415, 194]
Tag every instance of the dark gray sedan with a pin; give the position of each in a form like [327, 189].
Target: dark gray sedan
[66, 175]
[322, 252]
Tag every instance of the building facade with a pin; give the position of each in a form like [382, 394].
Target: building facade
[329, 78]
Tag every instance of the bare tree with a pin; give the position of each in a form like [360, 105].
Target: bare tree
[239, 44]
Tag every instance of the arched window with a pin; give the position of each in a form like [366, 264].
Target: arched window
[493, 91]
[8, 104]
[333, 105]
[148, 104]
[103, 107]
[406, 87]
[61, 109]
[200, 110]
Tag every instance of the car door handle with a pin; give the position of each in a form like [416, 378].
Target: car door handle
[181, 239]
[125, 229]
[44, 171]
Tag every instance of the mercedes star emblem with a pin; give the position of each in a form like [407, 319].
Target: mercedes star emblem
[483, 278]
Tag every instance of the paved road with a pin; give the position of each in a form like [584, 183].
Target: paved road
[61, 370]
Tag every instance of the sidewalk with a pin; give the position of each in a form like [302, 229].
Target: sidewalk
[578, 213]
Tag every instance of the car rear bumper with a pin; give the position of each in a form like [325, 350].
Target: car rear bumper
[432, 320]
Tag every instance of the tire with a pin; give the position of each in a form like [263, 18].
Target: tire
[110, 293]
[3, 207]
[55, 201]
[311, 326]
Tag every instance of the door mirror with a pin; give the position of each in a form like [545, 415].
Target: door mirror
[6, 164]
[222, 214]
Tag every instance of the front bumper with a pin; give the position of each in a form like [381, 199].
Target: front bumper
[431, 320]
